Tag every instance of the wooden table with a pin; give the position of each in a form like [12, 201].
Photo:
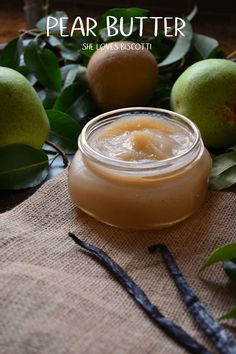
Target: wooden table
[9, 199]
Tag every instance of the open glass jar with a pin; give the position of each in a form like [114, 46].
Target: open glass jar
[144, 194]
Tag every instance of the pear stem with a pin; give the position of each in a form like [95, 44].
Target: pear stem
[231, 55]
[46, 7]
[54, 158]
[61, 153]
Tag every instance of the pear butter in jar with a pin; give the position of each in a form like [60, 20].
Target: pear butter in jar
[140, 168]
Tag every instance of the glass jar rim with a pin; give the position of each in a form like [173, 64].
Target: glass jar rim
[85, 147]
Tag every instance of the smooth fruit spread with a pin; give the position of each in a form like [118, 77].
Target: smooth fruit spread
[142, 138]
[139, 170]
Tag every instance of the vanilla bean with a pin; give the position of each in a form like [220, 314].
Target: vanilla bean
[214, 331]
[168, 326]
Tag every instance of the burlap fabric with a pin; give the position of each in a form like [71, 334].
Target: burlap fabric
[56, 299]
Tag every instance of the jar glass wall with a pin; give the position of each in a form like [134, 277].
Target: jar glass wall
[139, 194]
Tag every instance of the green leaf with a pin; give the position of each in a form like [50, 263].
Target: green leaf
[224, 180]
[74, 43]
[230, 269]
[87, 53]
[71, 92]
[64, 131]
[55, 41]
[22, 166]
[161, 97]
[72, 73]
[69, 73]
[232, 148]
[126, 28]
[42, 94]
[230, 315]
[43, 64]
[181, 47]
[81, 79]
[50, 99]
[66, 98]
[192, 14]
[71, 54]
[223, 174]
[224, 253]
[126, 13]
[10, 56]
[160, 47]
[223, 162]
[82, 107]
[25, 71]
[204, 45]
[188, 18]
[41, 24]
[217, 53]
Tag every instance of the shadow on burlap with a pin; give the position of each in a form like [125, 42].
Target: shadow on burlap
[55, 298]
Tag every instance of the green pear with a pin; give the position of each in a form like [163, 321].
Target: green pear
[206, 93]
[23, 119]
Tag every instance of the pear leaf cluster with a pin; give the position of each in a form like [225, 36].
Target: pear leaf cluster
[227, 255]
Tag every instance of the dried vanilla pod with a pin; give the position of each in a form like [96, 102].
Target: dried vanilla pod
[168, 326]
[214, 331]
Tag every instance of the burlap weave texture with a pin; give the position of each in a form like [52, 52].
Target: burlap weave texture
[56, 299]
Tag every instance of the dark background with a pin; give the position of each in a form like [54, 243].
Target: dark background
[172, 6]
[214, 18]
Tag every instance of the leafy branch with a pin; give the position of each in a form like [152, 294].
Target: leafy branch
[226, 254]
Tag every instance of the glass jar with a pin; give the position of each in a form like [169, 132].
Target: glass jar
[143, 194]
